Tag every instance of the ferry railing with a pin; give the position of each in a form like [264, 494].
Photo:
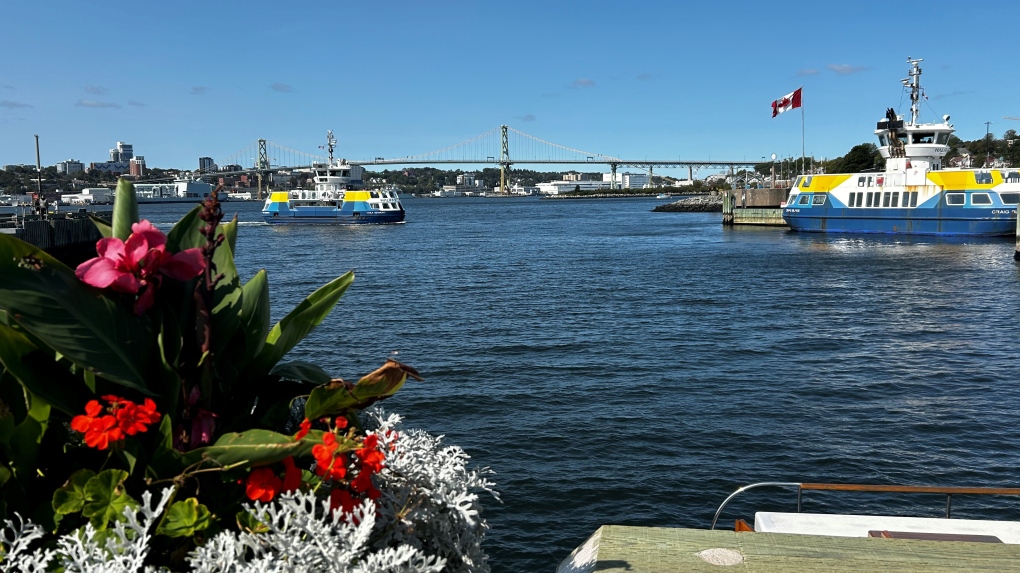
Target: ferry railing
[949, 492]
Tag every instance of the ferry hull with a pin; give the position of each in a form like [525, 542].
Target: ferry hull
[901, 223]
[336, 217]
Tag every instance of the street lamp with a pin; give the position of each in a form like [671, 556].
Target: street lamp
[773, 171]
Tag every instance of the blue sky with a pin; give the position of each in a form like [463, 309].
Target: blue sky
[635, 79]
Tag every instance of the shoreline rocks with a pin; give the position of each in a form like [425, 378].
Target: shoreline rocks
[698, 204]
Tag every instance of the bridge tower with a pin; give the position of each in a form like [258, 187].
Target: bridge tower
[262, 166]
[504, 164]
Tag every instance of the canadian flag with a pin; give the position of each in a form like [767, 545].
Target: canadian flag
[787, 102]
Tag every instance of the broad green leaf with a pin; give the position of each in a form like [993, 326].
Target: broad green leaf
[338, 397]
[298, 323]
[71, 497]
[105, 498]
[301, 370]
[185, 233]
[46, 299]
[24, 441]
[105, 229]
[253, 448]
[184, 518]
[40, 373]
[125, 209]
[254, 314]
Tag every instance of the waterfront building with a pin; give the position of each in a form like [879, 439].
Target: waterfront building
[88, 196]
[628, 180]
[70, 166]
[206, 164]
[137, 166]
[564, 186]
[467, 185]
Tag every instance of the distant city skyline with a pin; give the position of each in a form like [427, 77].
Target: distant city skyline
[641, 79]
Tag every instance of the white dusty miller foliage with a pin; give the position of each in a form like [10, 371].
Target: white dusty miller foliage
[123, 550]
[428, 519]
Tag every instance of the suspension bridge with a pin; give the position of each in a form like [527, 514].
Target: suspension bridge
[503, 146]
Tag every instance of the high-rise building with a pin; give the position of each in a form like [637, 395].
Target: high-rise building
[138, 166]
[206, 164]
[127, 151]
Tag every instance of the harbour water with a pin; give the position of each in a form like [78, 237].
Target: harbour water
[618, 366]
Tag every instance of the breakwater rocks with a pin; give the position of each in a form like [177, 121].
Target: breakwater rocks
[697, 204]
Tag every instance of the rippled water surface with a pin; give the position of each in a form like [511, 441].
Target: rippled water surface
[619, 366]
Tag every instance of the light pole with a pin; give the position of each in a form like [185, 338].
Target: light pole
[988, 143]
[773, 171]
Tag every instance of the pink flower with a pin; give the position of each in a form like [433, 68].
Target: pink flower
[139, 264]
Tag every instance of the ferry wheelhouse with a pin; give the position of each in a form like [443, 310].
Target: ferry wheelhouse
[338, 198]
[915, 194]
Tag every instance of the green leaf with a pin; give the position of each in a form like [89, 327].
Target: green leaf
[248, 523]
[105, 229]
[46, 299]
[253, 448]
[298, 323]
[40, 373]
[105, 498]
[24, 441]
[165, 461]
[125, 209]
[301, 370]
[185, 233]
[254, 314]
[184, 518]
[339, 397]
[71, 497]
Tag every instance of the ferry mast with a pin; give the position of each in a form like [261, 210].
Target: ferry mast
[914, 83]
[330, 145]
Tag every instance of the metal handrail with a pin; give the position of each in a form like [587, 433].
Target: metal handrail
[949, 492]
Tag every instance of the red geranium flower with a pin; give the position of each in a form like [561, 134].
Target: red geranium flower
[327, 464]
[342, 499]
[125, 417]
[305, 427]
[292, 475]
[133, 418]
[263, 485]
[139, 264]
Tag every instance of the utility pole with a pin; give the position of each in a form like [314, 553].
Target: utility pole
[40, 209]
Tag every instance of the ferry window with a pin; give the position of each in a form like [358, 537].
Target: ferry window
[345, 173]
[954, 199]
[913, 198]
[818, 200]
[804, 199]
[860, 181]
[942, 138]
[860, 199]
[332, 173]
[805, 181]
[895, 199]
[374, 194]
[1010, 198]
[882, 140]
[980, 199]
[885, 198]
[853, 197]
[983, 178]
[871, 180]
[869, 200]
[924, 138]
[1011, 177]
[792, 199]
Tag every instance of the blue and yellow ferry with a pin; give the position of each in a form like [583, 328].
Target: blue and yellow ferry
[337, 199]
[915, 194]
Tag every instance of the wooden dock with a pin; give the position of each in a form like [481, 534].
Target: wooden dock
[620, 549]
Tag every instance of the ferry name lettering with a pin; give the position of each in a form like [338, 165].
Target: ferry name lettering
[1003, 212]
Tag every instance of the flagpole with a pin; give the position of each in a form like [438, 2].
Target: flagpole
[801, 132]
